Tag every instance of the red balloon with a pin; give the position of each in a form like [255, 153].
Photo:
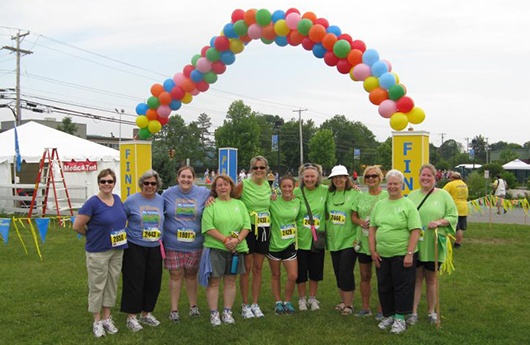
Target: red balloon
[345, 37]
[221, 43]
[245, 39]
[238, 14]
[343, 66]
[187, 70]
[202, 86]
[358, 44]
[218, 67]
[291, 10]
[330, 59]
[405, 104]
[177, 93]
[322, 21]
[204, 50]
[163, 120]
[307, 43]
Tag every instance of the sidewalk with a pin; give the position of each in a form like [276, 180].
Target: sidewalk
[513, 216]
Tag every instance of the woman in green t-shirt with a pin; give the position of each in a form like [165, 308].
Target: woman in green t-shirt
[282, 248]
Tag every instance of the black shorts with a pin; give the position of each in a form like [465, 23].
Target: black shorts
[364, 258]
[311, 264]
[287, 254]
[462, 223]
[260, 243]
[428, 265]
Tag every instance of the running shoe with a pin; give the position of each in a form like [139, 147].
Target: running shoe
[379, 316]
[386, 322]
[313, 304]
[194, 311]
[288, 307]
[412, 319]
[279, 309]
[215, 320]
[227, 317]
[399, 326]
[364, 312]
[302, 304]
[246, 313]
[133, 324]
[149, 320]
[174, 316]
[98, 329]
[433, 317]
[108, 326]
[256, 310]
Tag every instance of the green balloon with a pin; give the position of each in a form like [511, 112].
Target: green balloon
[153, 102]
[210, 77]
[395, 92]
[263, 17]
[341, 48]
[266, 41]
[212, 55]
[194, 59]
[144, 133]
[240, 28]
[303, 26]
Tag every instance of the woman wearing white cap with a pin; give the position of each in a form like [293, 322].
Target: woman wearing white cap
[341, 234]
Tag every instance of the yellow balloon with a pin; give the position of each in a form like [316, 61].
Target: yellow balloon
[399, 121]
[187, 98]
[281, 28]
[142, 121]
[416, 115]
[154, 126]
[397, 77]
[236, 45]
[370, 83]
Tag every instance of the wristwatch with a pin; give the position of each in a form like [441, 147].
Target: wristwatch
[409, 253]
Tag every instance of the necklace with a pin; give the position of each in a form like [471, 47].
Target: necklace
[343, 198]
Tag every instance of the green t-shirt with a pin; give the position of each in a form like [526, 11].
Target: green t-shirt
[257, 199]
[363, 205]
[283, 226]
[229, 218]
[439, 205]
[317, 201]
[339, 226]
[394, 220]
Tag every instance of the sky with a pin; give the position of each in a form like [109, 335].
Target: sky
[462, 62]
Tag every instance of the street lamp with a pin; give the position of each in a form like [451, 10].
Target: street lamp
[120, 113]
[277, 125]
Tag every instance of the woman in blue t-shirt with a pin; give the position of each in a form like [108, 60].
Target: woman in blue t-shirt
[102, 220]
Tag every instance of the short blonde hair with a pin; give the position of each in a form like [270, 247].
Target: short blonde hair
[308, 166]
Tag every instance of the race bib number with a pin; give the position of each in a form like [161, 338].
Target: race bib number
[287, 231]
[366, 232]
[337, 217]
[264, 219]
[118, 238]
[151, 235]
[422, 233]
[184, 235]
[307, 223]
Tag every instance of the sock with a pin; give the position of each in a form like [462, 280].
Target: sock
[278, 301]
[213, 311]
[228, 309]
[399, 316]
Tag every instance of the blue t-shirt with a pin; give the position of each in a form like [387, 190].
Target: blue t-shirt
[182, 224]
[145, 218]
[106, 227]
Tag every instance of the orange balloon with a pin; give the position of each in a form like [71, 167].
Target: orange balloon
[317, 33]
[187, 85]
[268, 32]
[310, 15]
[250, 16]
[355, 57]
[157, 89]
[151, 114]
[329, 40]
[378, 95]
[295, 37]
[165, 98]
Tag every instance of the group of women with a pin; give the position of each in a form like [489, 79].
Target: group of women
[212, 235]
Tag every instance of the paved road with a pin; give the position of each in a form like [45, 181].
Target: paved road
[513, 216]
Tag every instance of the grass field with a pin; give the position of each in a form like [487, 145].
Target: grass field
[485, 301]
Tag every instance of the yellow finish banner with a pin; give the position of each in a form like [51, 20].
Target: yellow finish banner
[135, 159]
[410, 150]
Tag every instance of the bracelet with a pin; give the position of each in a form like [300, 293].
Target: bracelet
[409, 253]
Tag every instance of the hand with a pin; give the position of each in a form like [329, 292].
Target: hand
[376, 259]
[210, 201]
[231, 244]
[408, 260]
[434, 224]
[365, 224]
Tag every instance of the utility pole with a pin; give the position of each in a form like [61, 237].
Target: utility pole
[299, 111]
[120, 113]
[467, 144]
[18, 51]
[442, 134]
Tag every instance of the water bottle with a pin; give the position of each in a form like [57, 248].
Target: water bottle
[235, 263]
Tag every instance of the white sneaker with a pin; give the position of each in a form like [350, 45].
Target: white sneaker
[194, 311]
[313, 304]
[108, 326]
[150, 320]
[433, 317]
[215, 320]
[98, 329]
[246, 313]
[256, 310]
[386, 322]
[412, 319]
[399, 326]
[133, 324]
[302, 304]
[227, 317]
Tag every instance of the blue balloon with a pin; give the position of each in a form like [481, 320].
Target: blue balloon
[334, 29]
[142, 108]
[319, 50]
[196, 76]
[212, 40]
[175, 104]
[379, 68]
[229, 32]
[387, 80]
[227, 57]
[281, 41]
[370, 56]
[169, 84]
[277, 15]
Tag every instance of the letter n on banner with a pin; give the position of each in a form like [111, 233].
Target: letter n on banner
[410, 150]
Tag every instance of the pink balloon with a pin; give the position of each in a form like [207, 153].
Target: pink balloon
[361, 72]
[388, 65]
[387, 108]
[163, 111]
[292, 20]
[179, 78]
[204, 65]
[195, 92]
[254, 31]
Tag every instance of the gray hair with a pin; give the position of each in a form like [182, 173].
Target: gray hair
[395, 173]
[148, 174]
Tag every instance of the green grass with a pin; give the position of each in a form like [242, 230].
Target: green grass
[484, 302]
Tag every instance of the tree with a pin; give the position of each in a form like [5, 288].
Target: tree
[207, 145]
[508, 155]
[67, 126]
[479, 144]
[384, 154]
[290, 142]
[322, 149]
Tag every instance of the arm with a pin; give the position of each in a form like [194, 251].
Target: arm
[229, 242]
[371, 240]
[80, 223]
[361, 222]
[238, 190]
[413, 241]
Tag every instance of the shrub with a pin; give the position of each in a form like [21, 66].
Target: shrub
[478, 186]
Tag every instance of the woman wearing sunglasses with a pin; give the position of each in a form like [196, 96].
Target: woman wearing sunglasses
[102, 220]
[142, 261]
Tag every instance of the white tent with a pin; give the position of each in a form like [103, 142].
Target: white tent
[516, 164]
[34, 138]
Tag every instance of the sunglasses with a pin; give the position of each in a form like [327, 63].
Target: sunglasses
[147, 183]
[371, 176]
[260, 168]
[106, 181]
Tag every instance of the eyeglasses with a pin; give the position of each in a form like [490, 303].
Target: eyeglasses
[371, 176]
[260, 168]
[106, 181]
[147, 183]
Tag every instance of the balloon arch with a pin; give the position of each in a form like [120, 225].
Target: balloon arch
[325, 41]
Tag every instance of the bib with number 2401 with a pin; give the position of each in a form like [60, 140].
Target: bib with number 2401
[185, 235]
[118, 238]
